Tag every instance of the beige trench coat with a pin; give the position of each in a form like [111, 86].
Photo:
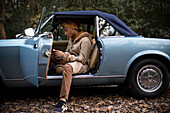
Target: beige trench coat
[78, 52]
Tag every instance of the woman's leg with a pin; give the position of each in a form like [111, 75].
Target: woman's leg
[55, 61]
[66, 82]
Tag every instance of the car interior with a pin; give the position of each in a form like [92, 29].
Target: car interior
[87, 24]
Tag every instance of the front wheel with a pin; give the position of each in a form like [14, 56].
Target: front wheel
[148, 78]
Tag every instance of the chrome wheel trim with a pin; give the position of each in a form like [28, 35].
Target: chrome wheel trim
[149, 78]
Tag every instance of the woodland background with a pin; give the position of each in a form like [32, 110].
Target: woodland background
[149, 18]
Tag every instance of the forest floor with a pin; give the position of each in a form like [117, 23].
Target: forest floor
[82, 100]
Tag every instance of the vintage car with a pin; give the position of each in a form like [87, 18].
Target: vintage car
[119, 55]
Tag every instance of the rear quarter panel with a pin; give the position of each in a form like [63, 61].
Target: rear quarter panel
[119, 53]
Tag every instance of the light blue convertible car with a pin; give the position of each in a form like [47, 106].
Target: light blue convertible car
[119, 55]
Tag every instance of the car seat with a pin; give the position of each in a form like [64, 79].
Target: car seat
[93, 59]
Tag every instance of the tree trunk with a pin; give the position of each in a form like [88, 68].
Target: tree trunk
[2, 19]
[32, 8]
[2, 31]
[38, 6]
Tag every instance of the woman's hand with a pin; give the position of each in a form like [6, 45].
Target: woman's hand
[58, 53]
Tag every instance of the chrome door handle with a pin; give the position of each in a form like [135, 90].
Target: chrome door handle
[47, 53]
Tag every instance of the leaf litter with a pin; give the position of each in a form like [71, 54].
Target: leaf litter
[83, 100]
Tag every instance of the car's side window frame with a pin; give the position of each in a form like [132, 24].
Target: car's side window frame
[118, 34]
[97, 27]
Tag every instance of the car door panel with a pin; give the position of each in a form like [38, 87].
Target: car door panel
[45, 45]
[10, 62]
[19, 60]
[28, 62]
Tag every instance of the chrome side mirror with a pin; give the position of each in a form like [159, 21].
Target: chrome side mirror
[29, 32]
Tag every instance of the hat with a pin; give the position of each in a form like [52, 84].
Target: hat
[69, 24]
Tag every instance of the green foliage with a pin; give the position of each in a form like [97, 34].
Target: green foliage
[34, 21]
[149, 18]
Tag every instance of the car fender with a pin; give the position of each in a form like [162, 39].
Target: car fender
[142, 53]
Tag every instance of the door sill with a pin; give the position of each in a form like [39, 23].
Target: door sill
[85, 76]
[74, 76]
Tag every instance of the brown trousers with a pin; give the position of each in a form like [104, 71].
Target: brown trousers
[66, 82]
[67, 78]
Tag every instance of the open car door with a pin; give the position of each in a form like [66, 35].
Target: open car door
[35, 57]
[28, 62]
[45, 46]
[36, 61]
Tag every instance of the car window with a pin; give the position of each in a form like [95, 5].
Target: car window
[47, 26]
[105, 29]
[59, 33]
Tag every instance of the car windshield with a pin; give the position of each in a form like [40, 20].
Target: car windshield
[38, 28]
[46, 26]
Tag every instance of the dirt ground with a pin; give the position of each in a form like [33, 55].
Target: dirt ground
[82, 100]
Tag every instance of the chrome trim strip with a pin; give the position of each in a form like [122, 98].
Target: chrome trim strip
[85, 76]
[20, 78]
[74, 77]
[97, 26]
[13, 79]
[47, 21]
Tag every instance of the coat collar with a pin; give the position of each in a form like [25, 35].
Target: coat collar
[81, 35]
[77, 35]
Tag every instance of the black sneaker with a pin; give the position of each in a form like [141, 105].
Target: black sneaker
[60, 107]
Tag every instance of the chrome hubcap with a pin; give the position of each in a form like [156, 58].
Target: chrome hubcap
[149, 78]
